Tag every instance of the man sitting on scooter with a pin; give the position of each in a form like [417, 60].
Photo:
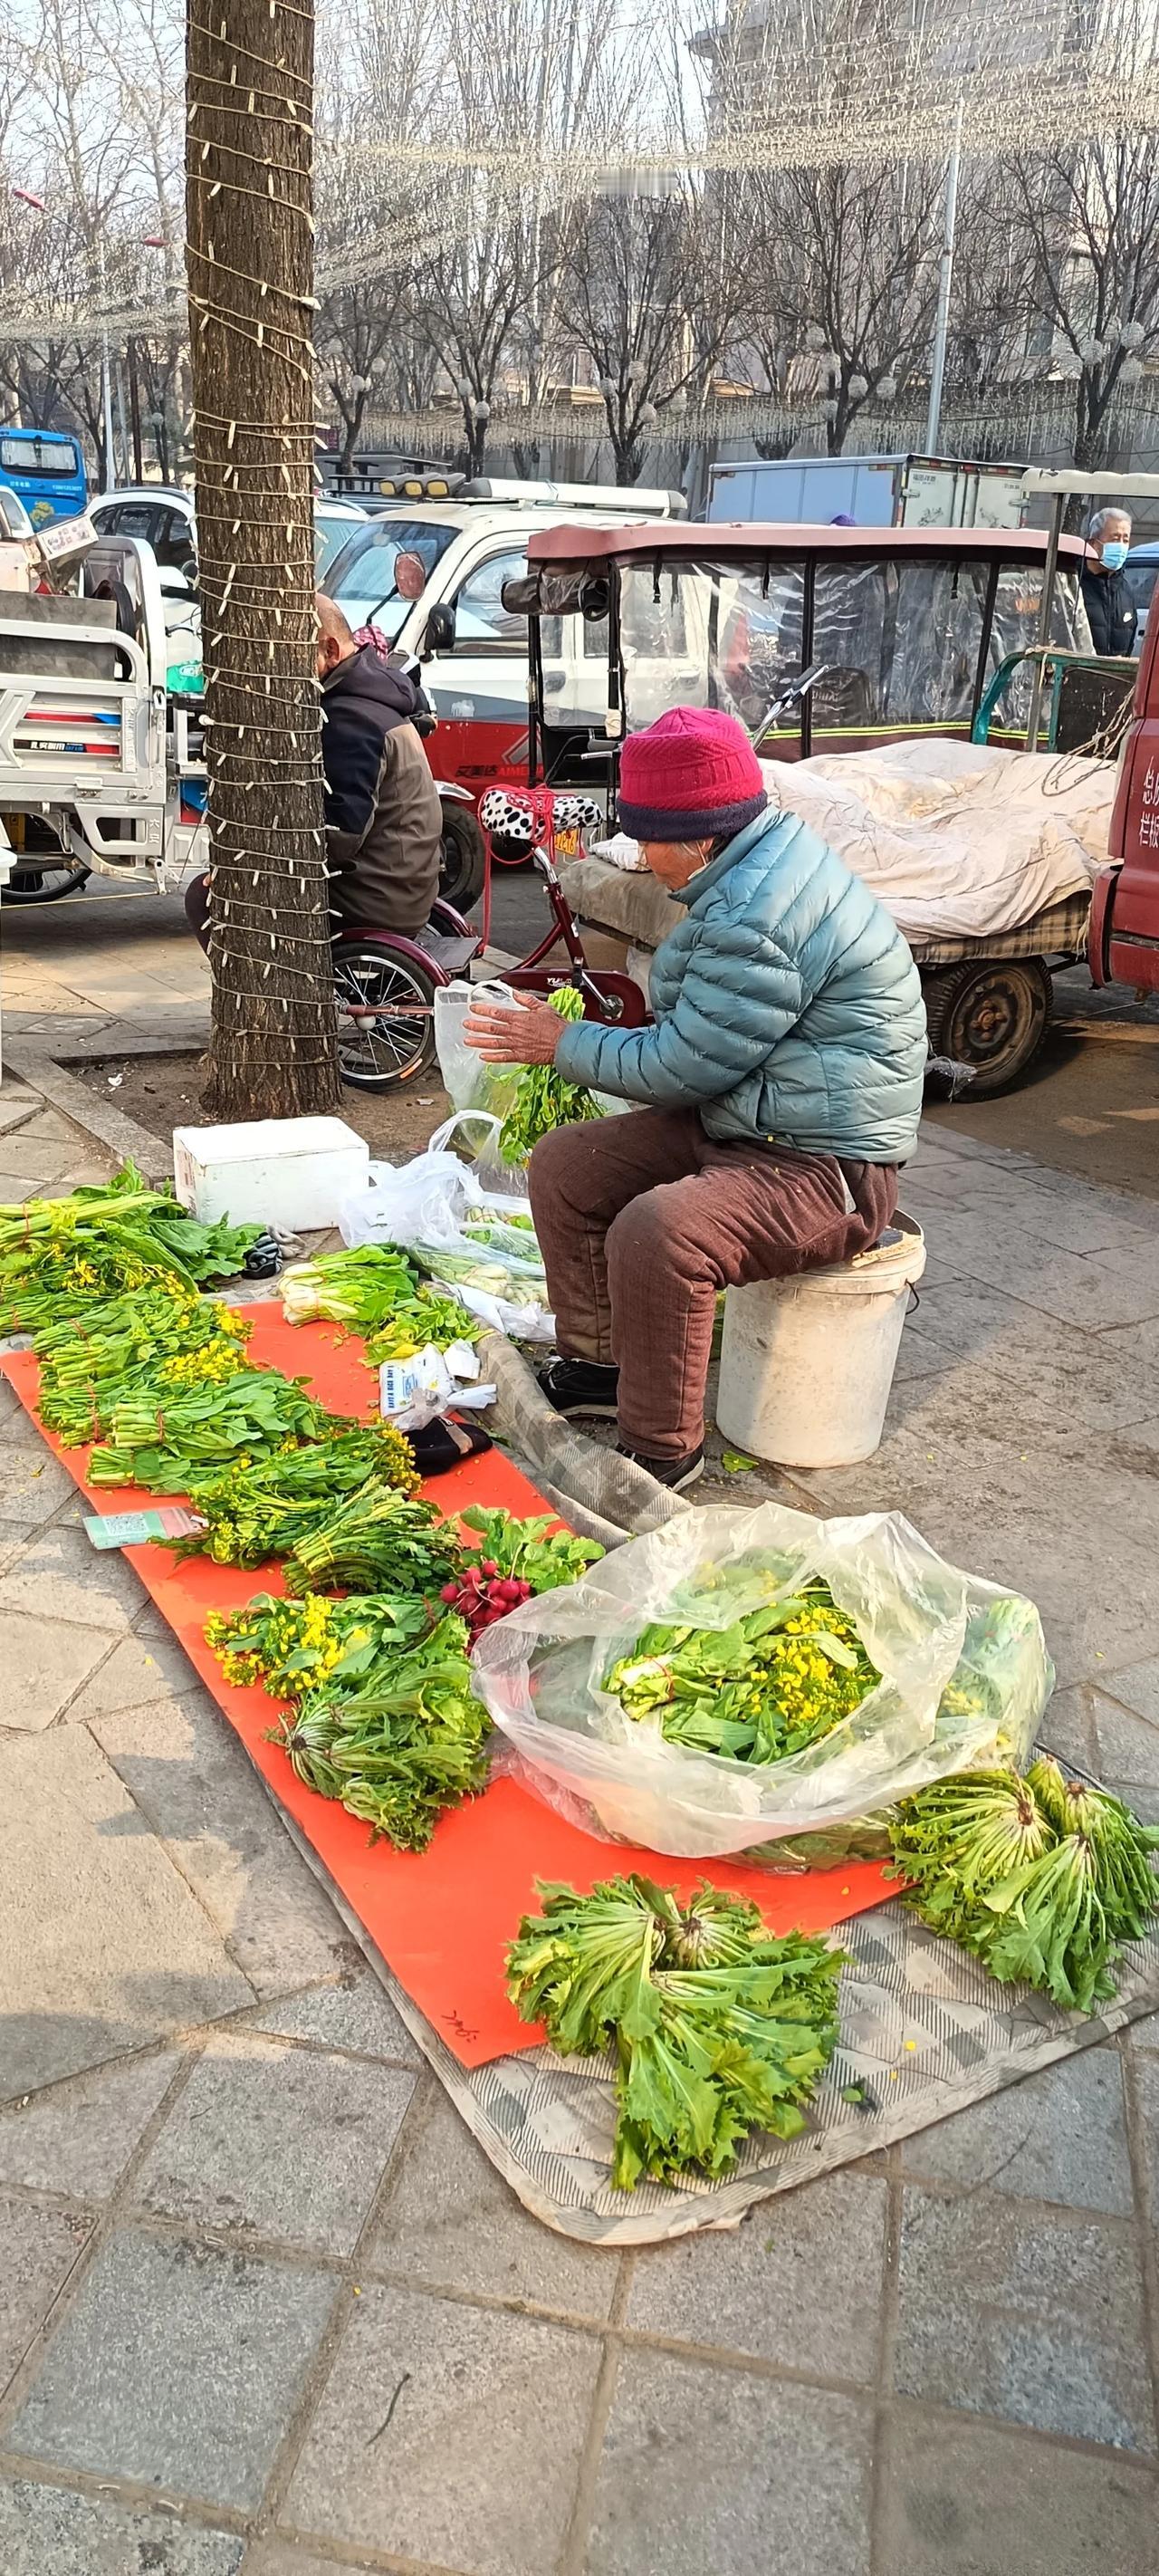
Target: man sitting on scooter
[384, 823]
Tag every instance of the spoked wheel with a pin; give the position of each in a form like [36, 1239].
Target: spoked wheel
[386, 1017]
[993, 1015]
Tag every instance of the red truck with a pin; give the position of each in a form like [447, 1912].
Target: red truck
[1124, 927]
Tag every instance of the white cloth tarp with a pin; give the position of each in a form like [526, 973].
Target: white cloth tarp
[959, 840]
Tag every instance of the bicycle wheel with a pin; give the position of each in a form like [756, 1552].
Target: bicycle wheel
[386, 1016]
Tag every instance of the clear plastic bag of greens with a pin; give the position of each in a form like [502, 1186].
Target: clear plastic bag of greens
[963, 1677]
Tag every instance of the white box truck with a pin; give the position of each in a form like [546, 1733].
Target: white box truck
[874, 491]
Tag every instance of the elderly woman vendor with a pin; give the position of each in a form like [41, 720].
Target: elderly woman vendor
[782, 1083]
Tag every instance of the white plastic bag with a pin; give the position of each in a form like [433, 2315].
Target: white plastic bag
[429, 1206]
[965, 1678]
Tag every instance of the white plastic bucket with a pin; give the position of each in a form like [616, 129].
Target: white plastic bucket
[806, 1363]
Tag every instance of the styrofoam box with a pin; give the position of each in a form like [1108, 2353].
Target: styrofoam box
[293, 1172]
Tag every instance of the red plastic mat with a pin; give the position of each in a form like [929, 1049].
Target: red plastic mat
[442, 1919]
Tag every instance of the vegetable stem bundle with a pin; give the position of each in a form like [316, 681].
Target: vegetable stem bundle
[718, 2027]
[1044, 1879]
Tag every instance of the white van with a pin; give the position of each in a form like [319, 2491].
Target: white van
[430, 574]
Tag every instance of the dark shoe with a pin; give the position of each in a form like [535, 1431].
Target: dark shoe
[676, 1473]
[445, 1442]
[580, 1386]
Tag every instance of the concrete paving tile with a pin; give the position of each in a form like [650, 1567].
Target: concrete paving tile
[38, 2248]
[1090, 1289]
[447, 2433]
[450, 2221]
[139, 1672]
[61, 1575]
[32, 1482]
[1065, 1372]
[178, 2367]
[16, 1107]
[1006, 2312]
[1127, 1747]
[1067, 1728]
[1058, 2136]
[357, 2014]
[1134, 1345]
[800, 2283]
[43, 1666]
[31, 1157]
[78, 2137]
[45, 2531]
[1137, 1685]
[102, 1947]
[280, 2558]
[1147, 2079]
[193, 1780]
[276, 2142]
[16, 1188]
[965, 2500]
[707, 2473]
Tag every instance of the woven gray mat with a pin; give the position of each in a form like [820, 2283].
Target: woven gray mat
[924, 2032]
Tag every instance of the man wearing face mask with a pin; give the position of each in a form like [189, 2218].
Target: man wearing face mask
[780, 1086]
[1107, 592]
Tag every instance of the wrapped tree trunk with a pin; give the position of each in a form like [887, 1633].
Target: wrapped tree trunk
[249, 174]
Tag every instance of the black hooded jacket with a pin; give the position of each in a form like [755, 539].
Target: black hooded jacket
[383, 818]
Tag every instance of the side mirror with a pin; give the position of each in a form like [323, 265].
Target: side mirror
[440, 634]
[189, 571]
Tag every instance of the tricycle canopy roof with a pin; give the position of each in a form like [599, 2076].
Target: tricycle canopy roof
[565, 564]
[574, 545]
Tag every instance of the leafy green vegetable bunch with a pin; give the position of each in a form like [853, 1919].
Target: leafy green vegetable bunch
[359, 1286]
[537, 1551]
[400, 1749]
[1044, 1879]
[59, 1255]
[375, 1540]
[299, 1646]
[166, 1443]
[373, 1288]
[162, 1337]
[257, 1512]
[542, 1098]
[717, 2027]
[763, 1688]
[430, 1316]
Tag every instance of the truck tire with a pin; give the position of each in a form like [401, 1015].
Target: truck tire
[991, 1013]
[463, 858]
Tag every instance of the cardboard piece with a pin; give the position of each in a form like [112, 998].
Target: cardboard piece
[442, 1919]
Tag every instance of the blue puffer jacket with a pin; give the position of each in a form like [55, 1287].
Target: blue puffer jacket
[787, 1007]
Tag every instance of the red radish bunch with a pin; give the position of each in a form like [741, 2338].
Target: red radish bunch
[484, 1594]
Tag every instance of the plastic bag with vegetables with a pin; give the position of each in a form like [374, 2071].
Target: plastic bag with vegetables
[666, 1700]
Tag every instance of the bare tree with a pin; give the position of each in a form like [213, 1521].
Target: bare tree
[273, 1046]
[1088, 215]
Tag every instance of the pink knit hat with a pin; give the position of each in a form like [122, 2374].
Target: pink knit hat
[691, 776]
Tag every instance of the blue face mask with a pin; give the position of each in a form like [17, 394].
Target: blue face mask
[1114, 554]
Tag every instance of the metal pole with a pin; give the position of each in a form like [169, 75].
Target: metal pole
[938, 359]
[121, 424]
[135, 414]
[108, 480]
[1049, 569]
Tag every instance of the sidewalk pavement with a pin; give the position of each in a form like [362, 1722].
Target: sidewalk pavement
[266, 2310]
